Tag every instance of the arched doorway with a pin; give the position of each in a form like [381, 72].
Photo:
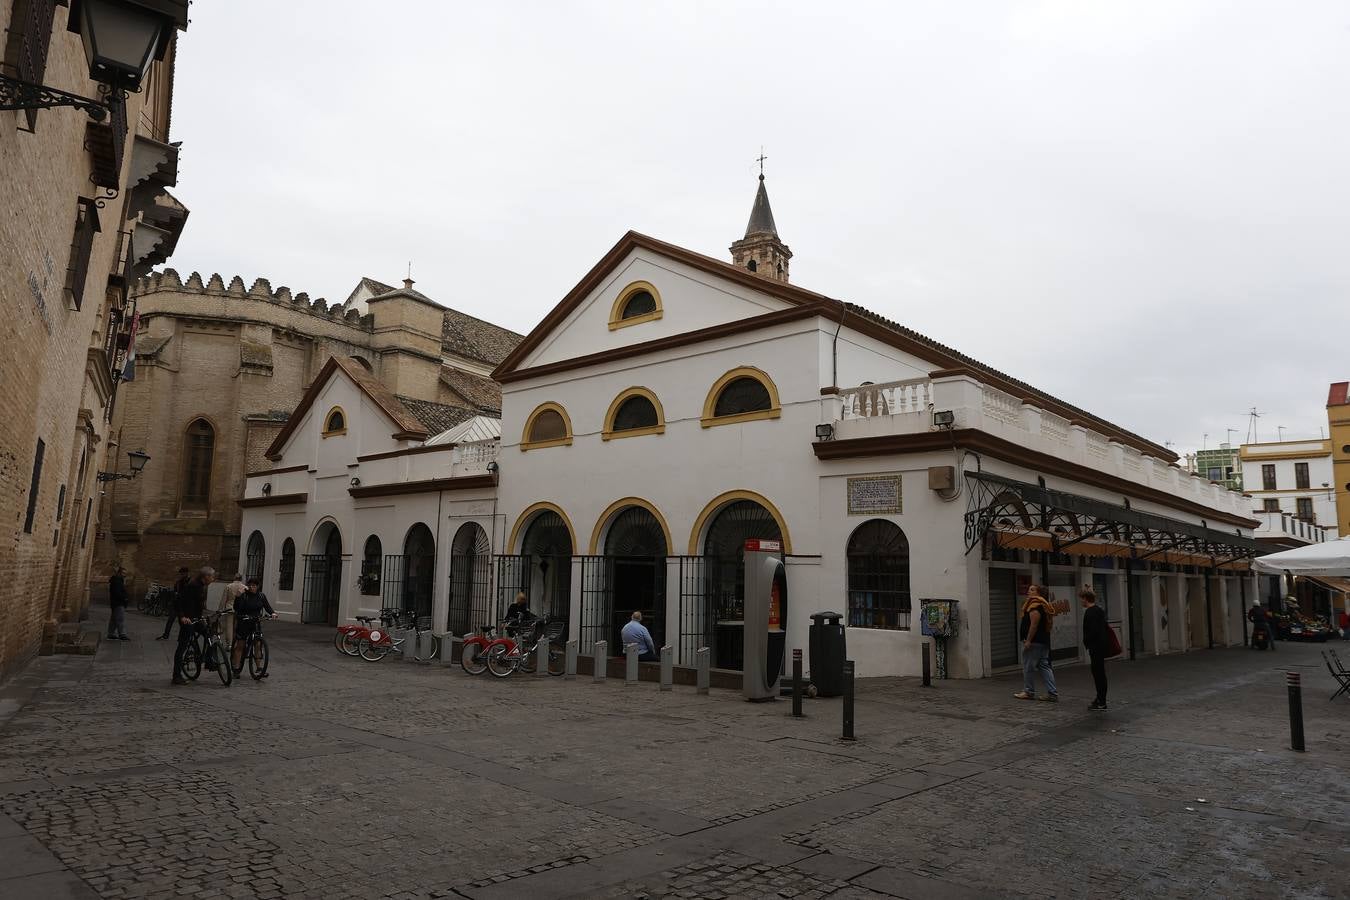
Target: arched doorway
[255, 554]
[470, 579]
[878, 576]
[323, 576]
[635, 560]
[411, 574]
[724, 558]
[547, 566]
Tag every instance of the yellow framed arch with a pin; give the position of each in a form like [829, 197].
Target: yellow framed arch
[328, 429]
[527, 516]
[619, 506]
[616, 319]
[710, 403]
[722, 500]
[636, 391]
[565, 441]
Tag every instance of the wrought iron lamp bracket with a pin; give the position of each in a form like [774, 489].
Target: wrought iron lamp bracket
[16, 94]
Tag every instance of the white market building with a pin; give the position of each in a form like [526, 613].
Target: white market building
[672, 406]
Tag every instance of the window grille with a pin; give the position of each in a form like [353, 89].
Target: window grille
[81, 247]
[742, 395]
[635, 412]
[878, 576]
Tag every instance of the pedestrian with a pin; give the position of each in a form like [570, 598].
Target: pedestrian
[226, 605]
[1097, 640]
[634, 632]
[248, 607]
[1037, 619]
[117, 604]
[518, 615]
[188, 606]
[1345, 625]
[173, 604]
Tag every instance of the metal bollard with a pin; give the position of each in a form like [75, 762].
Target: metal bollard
[797, 683]
[541, 658]
[667, 668]
[927, 664]
[425, 641]
[630, 672]
[601, 661]
[848, 700]
[570, 673]
[1295, 681]
[408, 649]
[703, 662]
[449, 643]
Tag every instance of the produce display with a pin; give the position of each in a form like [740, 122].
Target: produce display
[1296, 625]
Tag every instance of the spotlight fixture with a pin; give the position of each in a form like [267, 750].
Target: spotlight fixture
[944, 419]
[356, 482]
[825, 432]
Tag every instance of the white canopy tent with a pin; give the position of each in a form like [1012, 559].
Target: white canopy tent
[1330, 558]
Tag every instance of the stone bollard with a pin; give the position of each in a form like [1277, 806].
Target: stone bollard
[425, 641]
[667, 668]
[449, 643]
[601, 661]
[570, 673]
[630, 654]
[541, 658]
[703, 662]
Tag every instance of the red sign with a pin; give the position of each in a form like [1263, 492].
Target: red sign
[765, 546]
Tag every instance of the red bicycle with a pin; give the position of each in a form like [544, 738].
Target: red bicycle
[348, 638]
[505, 656]
[473, 653]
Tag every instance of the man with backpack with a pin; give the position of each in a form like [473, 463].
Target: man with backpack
[1038, 617]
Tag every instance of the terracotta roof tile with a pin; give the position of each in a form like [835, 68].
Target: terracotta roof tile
[472, 338]
[481, 393]
[435, 417]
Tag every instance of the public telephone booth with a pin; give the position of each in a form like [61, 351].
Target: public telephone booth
[765, 620]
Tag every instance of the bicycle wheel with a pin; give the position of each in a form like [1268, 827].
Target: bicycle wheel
[351, 644]
[435, 649]
[529, 660]
[223, 667]
[339, 637]
[257, 659]
[557, 658]
[500, 662]
[375, 652]
[192, 661]
[473, 658]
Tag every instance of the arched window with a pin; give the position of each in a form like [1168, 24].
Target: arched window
[547, 426]
[286, 581]
[470, 579]
[634, 412]
[545, 574]
[419, 564]
[371, 560]
[752, 265]
[741, 395]
[255, 556]
[878, 576]
[335, 422]
[198, 450]
[637, 303]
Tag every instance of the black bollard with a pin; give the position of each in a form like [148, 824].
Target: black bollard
[797, 683]
[927, 665]
[1295, 681]
[848, 700]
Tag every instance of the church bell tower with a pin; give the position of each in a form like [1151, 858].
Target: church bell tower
[761, 251]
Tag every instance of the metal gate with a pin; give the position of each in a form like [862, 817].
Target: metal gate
[697, 616]
[597, 602]
[513, 576]
[405, 588]
[323, 589]
[470, 592]
[253, 565]
[1002, 618]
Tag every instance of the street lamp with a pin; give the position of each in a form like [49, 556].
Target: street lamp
[137, 459]
[120, 39]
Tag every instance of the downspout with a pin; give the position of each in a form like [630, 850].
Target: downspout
[834, 347]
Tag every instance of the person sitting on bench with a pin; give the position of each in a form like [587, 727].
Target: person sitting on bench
[636, 633]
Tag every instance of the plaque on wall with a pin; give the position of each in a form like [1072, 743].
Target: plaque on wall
[871, 495]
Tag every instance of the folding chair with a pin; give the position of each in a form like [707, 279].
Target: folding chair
[1339, 673]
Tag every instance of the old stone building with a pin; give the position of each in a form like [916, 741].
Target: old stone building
[83, 211]
[220, 366]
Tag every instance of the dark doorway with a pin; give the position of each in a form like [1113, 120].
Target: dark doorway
[323, 581]
[636, 550]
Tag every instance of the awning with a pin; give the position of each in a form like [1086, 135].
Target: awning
[1018, 514]
[1335, 585]
[1325, 558]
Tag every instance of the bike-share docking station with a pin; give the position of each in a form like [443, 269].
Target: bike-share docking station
[765, 620]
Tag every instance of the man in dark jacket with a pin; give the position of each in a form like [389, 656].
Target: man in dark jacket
[117, 602]
[173, 607]
[188, 606]
[1096, 640]
[248, 608]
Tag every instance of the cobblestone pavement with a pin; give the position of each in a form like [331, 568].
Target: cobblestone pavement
[341, 778]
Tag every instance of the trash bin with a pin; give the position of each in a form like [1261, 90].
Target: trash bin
[828, 651]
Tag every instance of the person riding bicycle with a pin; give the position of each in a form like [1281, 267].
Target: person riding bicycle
[248, 607]
[518, 615]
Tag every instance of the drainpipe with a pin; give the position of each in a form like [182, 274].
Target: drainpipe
[1209, 609]
[834, 347]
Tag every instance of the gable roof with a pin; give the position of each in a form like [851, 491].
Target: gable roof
[435, 417]
[371, 287]
[407, 426]
[481, 393]
[857, 317]
[472, 338]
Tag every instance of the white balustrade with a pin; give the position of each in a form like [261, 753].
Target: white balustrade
[1002, 407]
[889, 398]
[477, 453]
[1055, 427]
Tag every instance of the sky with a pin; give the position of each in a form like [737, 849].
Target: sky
[1140, 207]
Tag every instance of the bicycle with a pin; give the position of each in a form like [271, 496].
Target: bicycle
[505, 656]
[349, 637]
[473, 652]
[254, 648]
[156, 601]
[381, 643]
[206, 647]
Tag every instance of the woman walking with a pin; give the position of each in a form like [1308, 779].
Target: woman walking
[1097, 641]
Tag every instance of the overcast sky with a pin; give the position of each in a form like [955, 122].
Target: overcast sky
[1142, 208]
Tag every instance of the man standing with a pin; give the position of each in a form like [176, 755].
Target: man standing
[188, 608]
[232, 592]
[248, 607]
[634, 632]
[173, 607]
[1037, 617]
[1096, 641]
[117, 603]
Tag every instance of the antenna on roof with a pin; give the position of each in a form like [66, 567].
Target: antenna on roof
[1252, 416]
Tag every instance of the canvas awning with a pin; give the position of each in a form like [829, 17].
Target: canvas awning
[1019, 514]
[1326, 558]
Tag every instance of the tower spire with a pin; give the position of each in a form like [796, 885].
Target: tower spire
[761, 250]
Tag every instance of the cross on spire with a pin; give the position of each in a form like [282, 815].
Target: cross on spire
[760, 159]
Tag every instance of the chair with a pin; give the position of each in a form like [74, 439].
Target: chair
[1338, 672]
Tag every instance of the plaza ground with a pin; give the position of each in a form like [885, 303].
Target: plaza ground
[340, 778]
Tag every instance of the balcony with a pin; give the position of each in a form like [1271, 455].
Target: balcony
[1287, 528]
[906, 408]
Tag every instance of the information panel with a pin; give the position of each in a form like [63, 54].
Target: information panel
[870, 495]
